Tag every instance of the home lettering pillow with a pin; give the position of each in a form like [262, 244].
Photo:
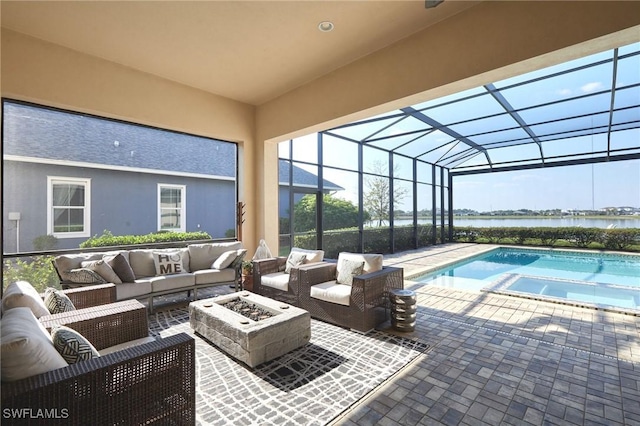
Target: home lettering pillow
[168, 263]
[56, 301]
[347, 270]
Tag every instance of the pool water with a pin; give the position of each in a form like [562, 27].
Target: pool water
[602, 279]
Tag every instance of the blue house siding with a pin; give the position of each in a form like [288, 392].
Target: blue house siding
[123, 202]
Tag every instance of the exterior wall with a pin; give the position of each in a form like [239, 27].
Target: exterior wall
[116, 204]
[51, 75]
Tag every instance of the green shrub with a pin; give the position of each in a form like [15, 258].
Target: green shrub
[45, 242]
[107, 239]
[620, 239]
[37, 270]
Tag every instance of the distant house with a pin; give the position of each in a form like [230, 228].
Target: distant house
[73, 176]
[304, 183]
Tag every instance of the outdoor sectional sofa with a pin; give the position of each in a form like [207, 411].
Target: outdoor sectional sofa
[147, 273]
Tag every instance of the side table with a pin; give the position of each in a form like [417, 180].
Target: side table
[403, 309]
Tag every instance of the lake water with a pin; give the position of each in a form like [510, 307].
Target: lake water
[606, 222]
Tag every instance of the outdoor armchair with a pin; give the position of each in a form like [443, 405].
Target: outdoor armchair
[278, 277]
[131, 383]
[94, 295]
[359, 305]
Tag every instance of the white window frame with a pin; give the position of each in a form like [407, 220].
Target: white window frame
[86, 217]
[182, 209]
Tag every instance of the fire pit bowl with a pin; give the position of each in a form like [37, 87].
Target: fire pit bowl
[280, 327]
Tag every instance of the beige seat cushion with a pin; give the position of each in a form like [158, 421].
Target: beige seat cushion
[22, 294]
[372, 262]
[172, 282]
[141, 287]
[332, 292]
[213, 276]
[277, 280]
[27, 348]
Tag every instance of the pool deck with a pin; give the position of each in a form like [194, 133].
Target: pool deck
[498, 359]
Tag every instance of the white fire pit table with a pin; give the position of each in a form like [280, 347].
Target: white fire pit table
[279, 327]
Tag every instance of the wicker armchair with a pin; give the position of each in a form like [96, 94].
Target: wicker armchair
[367, 301]
[143, 384]
[94, 295]
[281, 286]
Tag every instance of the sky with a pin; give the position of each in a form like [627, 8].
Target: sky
[573, 104]
[584, 187]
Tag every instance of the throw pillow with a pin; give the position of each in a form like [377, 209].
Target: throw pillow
[347, 270]
[26, 347]
[22, 294]
[72, 345]
[85, 276]
[56, 301]
[237, 263]
[294, 260]
[168, 263]
[121, 267]
[225, 259]
[103, 269]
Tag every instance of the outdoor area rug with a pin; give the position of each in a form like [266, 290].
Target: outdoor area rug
[308, 386]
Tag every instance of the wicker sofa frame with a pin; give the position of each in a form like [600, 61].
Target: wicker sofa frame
[152, 383]
[368, 302]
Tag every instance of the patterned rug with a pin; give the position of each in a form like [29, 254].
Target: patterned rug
[308, 386]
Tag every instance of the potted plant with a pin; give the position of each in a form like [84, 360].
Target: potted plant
[247, 275]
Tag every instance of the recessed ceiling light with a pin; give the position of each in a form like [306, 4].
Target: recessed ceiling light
[325, 26]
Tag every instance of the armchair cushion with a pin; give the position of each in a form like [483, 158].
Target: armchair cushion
[313, 256]
[295, 259]
[347, 269]
[277, 280]
[56, 301]
[27, 348]
[372, 262]
[72, 345]
[331, 291]
[22, 294]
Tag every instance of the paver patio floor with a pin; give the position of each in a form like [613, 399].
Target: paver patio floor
[506, 360]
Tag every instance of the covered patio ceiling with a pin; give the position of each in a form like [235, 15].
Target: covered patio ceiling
[582, 111]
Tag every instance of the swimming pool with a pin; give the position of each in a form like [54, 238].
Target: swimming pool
[593, 279]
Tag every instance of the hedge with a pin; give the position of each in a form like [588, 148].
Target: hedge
[614, 239]
[377, 240]
[107, 239]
